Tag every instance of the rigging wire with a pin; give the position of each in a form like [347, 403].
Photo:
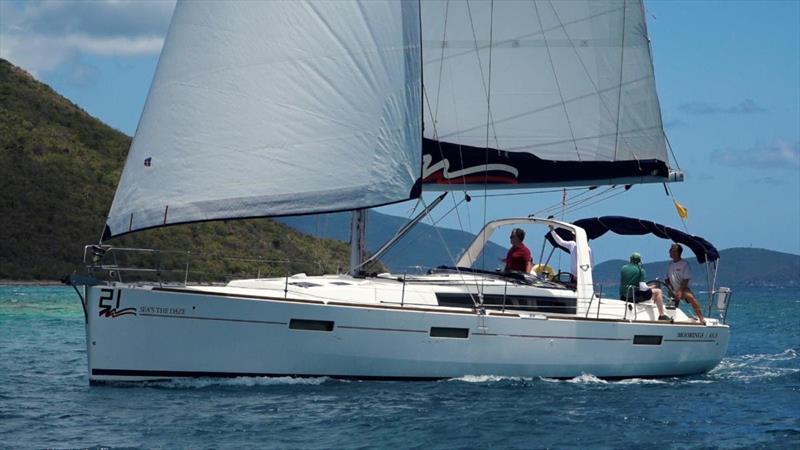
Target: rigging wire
[555, 78]
[563, 207]
[599, 200]
[433, 222]
[621, 65]
[488, 124]
[487, 89]
[441, 58]
[522, 37]
[558, 105]
[441, 153]
[413, 210]
[460, 154]
[669, 192]
[669, 146]
[435, 113]
[450, 255]
[531, 192]
[596, 195]
[555, 206]
[480, 65]
[583, 203]
[583, 64]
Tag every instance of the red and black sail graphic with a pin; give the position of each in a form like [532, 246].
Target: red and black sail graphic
[450, 163]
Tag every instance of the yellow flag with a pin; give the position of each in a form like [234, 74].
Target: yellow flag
[683, 212]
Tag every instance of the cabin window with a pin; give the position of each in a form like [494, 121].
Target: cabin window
[647, 339]
[516, 302]
[446, 332]
[311, 325]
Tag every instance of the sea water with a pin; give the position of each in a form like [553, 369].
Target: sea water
[751, 400]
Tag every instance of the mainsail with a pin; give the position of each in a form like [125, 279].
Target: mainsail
[276, 108]
[539, 93]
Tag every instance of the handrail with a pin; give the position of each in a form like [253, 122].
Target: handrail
[630, 297]
[721, 302]
[114, 262]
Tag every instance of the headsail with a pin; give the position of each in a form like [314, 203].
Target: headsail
[276, 108]
[570, 88]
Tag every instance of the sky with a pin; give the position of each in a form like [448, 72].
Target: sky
[727, 74]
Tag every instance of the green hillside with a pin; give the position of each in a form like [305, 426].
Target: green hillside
[58, 171]
[737, 267]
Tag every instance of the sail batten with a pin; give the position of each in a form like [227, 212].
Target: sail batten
[276, 108]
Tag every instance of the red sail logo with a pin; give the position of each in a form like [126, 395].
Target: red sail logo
[440, 173]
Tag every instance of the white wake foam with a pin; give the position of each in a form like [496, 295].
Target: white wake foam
[756, 366]
[488, 379]
[641, 381]
[586, 378]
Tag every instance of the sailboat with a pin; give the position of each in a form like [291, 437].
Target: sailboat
[266, 109]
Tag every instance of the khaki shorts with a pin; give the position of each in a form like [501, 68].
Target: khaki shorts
[685, 292]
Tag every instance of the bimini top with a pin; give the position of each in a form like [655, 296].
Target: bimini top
[598, 226]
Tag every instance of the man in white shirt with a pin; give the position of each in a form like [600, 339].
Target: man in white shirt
[678, 276]
[571, 246]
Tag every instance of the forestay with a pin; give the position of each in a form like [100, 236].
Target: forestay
[566, 88]
[276, 108]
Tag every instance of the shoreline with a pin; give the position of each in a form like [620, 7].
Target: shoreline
[31, 283]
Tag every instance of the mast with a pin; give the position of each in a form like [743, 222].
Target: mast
[358, 237]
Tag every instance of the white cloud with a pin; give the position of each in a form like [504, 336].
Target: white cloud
[96, 17]
[123, 46]
[780, 155]
[40, 36]
[45, 53]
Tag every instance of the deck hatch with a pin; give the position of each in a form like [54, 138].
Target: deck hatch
[647, 339]
[304, 284]
[311, 325]
[447, 332]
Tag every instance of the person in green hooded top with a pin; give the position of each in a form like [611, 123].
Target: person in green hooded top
[632, 286]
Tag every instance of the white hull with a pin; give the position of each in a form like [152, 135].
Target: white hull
[225, 332]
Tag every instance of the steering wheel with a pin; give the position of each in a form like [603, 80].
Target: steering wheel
[565, 278]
